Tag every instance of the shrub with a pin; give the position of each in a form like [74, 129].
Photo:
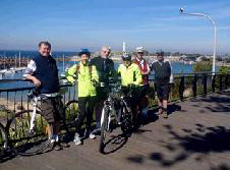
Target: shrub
[224, 70]
[203, 66]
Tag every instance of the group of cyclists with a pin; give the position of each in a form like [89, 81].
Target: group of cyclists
[92, 77]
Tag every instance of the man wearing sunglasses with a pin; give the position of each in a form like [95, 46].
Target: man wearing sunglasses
[106, 71]
[145, 71]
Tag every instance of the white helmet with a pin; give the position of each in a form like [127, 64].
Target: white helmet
[140, 49]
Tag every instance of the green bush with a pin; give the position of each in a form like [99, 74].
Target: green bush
[203, 66]
[224, 70]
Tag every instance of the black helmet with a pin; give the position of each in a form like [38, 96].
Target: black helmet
[126, 57]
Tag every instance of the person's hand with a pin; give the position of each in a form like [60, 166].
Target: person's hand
[171, 85]
[36, 82]
[145, 72]
[132, 86]
[94, 82]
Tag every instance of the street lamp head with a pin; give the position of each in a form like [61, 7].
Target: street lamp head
[181, 10]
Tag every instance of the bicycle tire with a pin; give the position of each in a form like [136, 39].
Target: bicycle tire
[21, 141]
[126, 121]
[72, 113]
[103, 130]
[3, 140]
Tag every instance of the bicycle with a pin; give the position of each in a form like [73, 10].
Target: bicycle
[116, 112]
[28, 130]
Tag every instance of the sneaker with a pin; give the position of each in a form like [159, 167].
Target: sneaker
[160, 111]
[77, 139]
[64, 144]
[92, 136]
[96, 131]
[165, 114]
[57, 147]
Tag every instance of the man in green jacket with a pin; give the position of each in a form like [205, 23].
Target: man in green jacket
[87, 78]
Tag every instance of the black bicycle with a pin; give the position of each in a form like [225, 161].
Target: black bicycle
[116, 113]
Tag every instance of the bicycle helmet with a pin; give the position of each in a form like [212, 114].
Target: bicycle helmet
[126, 57]
[140, 49]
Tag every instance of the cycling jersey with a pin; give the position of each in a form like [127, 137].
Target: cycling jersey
[130, 75]
[87, 78]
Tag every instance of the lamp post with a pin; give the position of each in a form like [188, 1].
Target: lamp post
[214, 28]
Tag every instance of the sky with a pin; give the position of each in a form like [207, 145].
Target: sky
[154, 24]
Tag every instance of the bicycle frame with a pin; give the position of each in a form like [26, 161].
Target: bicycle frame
[32, 121]
[109, 105]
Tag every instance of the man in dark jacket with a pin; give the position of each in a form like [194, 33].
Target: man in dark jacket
[105, 68]
[163, 79]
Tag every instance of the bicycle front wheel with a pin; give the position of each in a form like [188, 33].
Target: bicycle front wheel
[3, 140]
[104, 129]
[25, 141]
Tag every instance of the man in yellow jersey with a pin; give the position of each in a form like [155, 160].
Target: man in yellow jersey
[87, 79]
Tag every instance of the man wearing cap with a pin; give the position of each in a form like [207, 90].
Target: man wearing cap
[105, 68]
[87, 79]
[163, 79]
[145, 71]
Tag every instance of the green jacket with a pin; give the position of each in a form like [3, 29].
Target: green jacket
[87, 78]
[130, 75]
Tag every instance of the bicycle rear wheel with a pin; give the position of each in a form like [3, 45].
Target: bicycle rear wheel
[104, 129]
[3, 140]
[22, 140]
[72, 113]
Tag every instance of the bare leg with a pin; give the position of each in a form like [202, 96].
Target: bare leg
[57, 127]
[160, 104]
[50, 130]
[165, 105]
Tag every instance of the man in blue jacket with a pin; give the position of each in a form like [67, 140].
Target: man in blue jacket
[42, 71]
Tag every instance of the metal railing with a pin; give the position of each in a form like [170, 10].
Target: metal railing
[13, 100]
[185, 86]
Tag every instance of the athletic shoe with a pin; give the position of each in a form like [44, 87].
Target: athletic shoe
[57, 147]
[77, 139]
[160, 111]
[96, 131]
[92, 136]
[165, 114]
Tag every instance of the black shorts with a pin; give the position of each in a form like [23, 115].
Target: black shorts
[52, 109]
[163, 91]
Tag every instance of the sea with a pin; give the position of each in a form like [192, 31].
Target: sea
[177, 67]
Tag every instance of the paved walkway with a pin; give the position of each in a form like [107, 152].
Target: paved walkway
[195, 136]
